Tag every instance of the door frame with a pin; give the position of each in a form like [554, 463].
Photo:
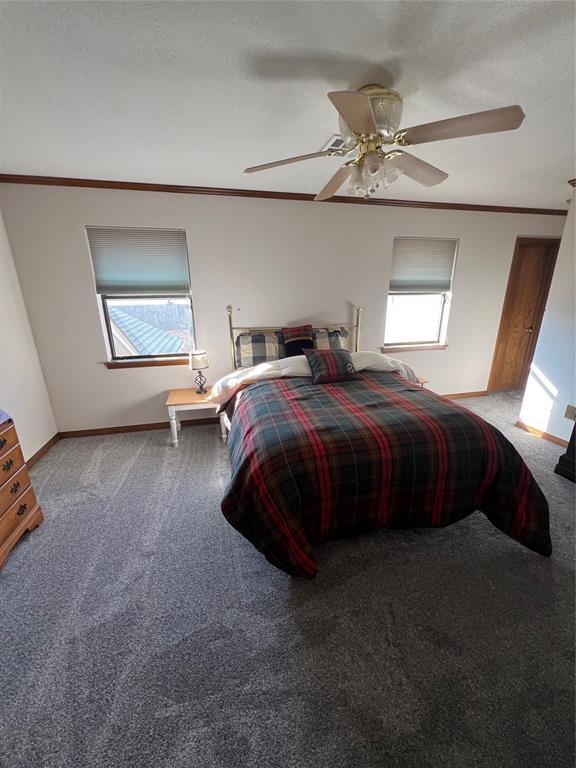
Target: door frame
[547, 280]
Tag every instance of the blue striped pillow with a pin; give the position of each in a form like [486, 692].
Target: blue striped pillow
[255, 348]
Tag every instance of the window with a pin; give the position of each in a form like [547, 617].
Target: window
[143, 281]
[148, 326]
[420, 291]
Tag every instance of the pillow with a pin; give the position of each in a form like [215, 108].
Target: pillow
[255, 348]
[330, 365]
[297, 339]
[325, 338]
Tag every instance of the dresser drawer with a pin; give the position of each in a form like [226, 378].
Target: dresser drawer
[10, 463]
[8, 439]
[13, 489]
[17, 513]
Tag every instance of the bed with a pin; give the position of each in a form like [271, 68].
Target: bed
[315, 462]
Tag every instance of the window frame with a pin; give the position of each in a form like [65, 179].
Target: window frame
[446, 304]
[123, 360]
[440, 341]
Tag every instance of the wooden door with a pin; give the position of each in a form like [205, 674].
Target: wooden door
[526, 294]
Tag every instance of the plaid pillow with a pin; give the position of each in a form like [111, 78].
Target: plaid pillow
[330, 365]
[297, 339]
[330, 339]
[255, 348]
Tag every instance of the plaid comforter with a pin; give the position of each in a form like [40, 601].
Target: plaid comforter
[312, 462]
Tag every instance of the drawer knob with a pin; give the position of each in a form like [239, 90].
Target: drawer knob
[21, 509]
[3, 442]
[15, 486]
[8, 465]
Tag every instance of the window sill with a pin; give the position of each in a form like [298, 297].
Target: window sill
[148, 362]
[411, 347]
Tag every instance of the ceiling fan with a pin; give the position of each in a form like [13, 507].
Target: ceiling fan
[369, 122]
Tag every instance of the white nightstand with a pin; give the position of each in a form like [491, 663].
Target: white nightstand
[186, 400]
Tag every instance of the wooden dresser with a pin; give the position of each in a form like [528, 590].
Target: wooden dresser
[19, 509]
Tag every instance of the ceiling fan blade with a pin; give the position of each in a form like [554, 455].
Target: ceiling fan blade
[490, 121]
[335, 183]
[288, 160]
[417, 169]
[355, 109]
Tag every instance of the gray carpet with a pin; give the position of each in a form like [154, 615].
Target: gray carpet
[138, 629]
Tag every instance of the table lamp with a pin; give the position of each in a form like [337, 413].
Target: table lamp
[199, 362]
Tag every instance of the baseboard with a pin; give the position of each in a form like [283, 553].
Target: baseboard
[460, 395]
[543, 435]
[42, 451]
[113, 431]
[134, 428]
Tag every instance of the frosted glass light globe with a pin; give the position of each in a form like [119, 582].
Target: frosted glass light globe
[372, 163]
[387, 109]
[348, 137]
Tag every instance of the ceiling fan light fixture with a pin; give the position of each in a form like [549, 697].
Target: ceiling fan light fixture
[389, 175]
[372, 164]
[348, 137]
[356, 180]
[387, 108]
[365, 180]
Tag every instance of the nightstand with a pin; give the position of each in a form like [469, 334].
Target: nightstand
[186, 400]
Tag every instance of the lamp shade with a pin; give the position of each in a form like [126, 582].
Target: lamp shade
[198, 360]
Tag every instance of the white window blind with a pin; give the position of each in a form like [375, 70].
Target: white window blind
[422, 264]
[139, 261]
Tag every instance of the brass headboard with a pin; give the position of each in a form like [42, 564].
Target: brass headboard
[237, 329]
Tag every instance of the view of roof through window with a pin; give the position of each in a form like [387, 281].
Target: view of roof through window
[150, 326]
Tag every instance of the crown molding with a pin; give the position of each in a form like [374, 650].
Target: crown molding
[61, 181]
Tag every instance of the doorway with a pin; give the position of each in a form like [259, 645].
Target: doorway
[528, 285]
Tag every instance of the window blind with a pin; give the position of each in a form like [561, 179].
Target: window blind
[139, 261]
[422, 264]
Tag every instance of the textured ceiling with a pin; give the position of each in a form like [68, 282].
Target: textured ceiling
[191, 93]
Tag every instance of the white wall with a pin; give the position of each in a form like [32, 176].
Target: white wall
[23, 391]
[280, 261]
[552, 381]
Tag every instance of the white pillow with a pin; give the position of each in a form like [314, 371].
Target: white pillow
[228, 385]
